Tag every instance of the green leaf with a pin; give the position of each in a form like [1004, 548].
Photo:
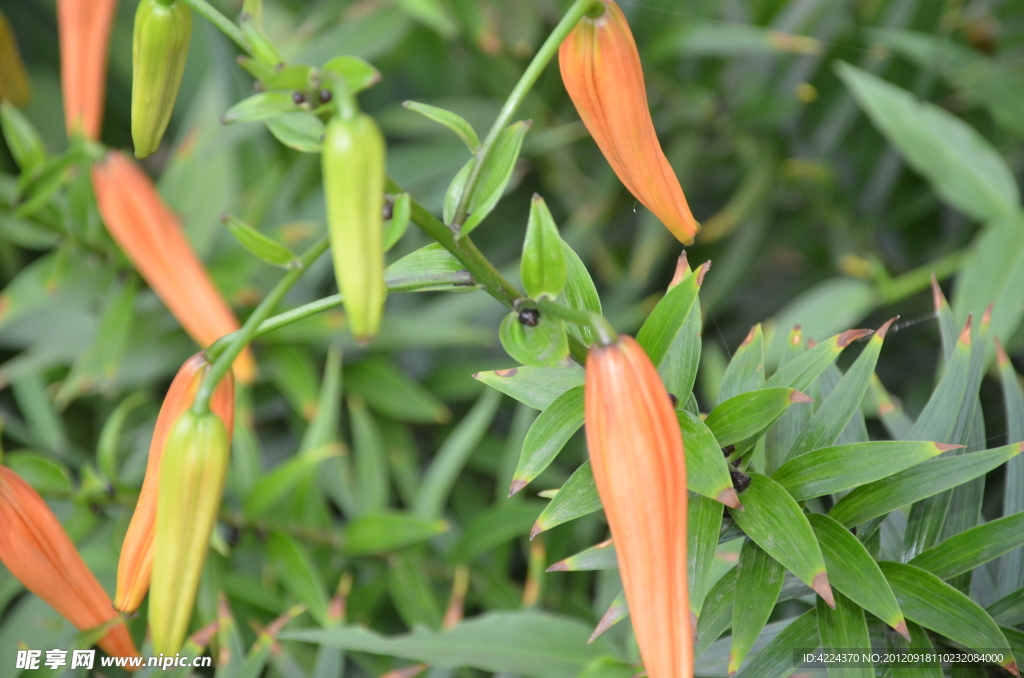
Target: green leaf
[273, 487]
[716, 612]
[266, 249]
[527, 643]
[299, 574]
[746, 369]
[843, 467]
[576, 498]
[783, 433]
[394, 228]
[452, 121]
[776, 659]
[758, 583]
[927, 478]
[772, 519]
[391, 393]
[927, 600]
[542, 345]
[377, 533]
[895, 420]
[1008, 610]
[412, 592]
[300, 130]
[294, 374]
[22, 139]
[843, 403]
[453, 454]
[918, 643]
[371, 467]
[260, 106]
[579, 293]
[110, 435]
[842, 628]
[853, 571]
[427, 269]
[598, 557]
[547, 436]
[973, 548]
[703, 524]
[543, 268]
[707, 471]
[291, 77]
[962, 167]
[801, 372]
[357, 73]
[617, 611]
[994, 274]
[663, 326]
[1011, 566]
[494, 177]
[494, 527]
[40, 471]
[537, 387]
[749, 415]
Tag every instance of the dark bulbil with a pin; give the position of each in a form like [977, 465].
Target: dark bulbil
[740, 481]
[529, 317]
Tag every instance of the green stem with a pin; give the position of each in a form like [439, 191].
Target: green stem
[912, 282]
[243, 336]
[221, 22]
[547, 51]
[277, 322]
[597, 322]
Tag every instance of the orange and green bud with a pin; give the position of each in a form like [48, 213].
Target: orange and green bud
[191, 482]
[14, 85]
[153, 240]
[159, 50]
[136, 562]
[636, 451]
[84, 27]
[39, 553]
[353, 171]
[601, 70]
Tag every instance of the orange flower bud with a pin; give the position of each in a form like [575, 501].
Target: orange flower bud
[601, 70]
[136, 563]
[636, 450]
[153, 240]
[84, 27]
[37, 550]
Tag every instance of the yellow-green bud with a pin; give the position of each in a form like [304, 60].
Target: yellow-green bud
[159, 50]
[353, 170]
[192, 474]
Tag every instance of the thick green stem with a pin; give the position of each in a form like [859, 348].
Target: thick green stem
[595, 321]
[547, 51]
[221, 22]
[243, 336]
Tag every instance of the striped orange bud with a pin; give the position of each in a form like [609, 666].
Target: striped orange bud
[601, 70]
[636, 450]
[136, 563]
[37, 550]
[84, 27]
[152, 238]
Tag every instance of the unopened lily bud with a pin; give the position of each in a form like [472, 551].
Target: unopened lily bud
[636, 451]
[84, 29]
[159, 49]
[192, 474]
[152, 238]
[353, 171]
[136, 562]
[601, 70]
[39, 553]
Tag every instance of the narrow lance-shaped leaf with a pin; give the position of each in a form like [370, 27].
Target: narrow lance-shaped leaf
[1011, 566]
[493, 178]
[371, 467]
[843, 467]
[260, 107]
[774, 520]
[299, 574]
[927, 478]
[707, 471]
[663, 330]
[412, 593]
[577, 497]
[598, 557]
[842, 628]
[855, 573]
[547, 436]
[776, 659]
[543, 268]
[536, 387]
[781, 435]
[452, 121]
[703, 524]
[758, 582]
[617, 611]
[579, 293]
[839, 407]
[918, 643]
[800, 372]
[895, 420]
[716, 612]
[745, 371]
[389, 531]
[258, 244]
[973, 548]
[927, 600]
[749, 415]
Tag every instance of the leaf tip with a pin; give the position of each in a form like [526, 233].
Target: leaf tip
[850, 336]
[986, 318]
[965, 334]
[537, 529]
[938, 299]
[796, 396]
[729, 497]
[682, 269]
[881, 332]
[750, 335]
[516, 486]
[901, 628]
[702, 271]
[943, 447]
[822, 588]
[560, 566]
[1001, 357]
[1012, 668]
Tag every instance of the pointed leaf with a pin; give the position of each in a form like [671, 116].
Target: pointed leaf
[537, 387]
[843, 628]
[973, 548]
[452, 121]
[746, 369]
[703, 524]
[707, 471]
[543, 268]
[267, 249]
[599, 557]
[390, 531]
[260, 106]
[494, 176]
[300, 130]
[548, 435]
[758, 583]
[577, 497]
[776, 660]
[357, 73]
[800, 372]
[579, 293]
[299, 574]
[427, 269]
[749, 415]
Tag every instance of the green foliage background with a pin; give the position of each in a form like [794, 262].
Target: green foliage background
[814, 213]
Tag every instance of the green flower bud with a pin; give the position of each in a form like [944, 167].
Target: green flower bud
[192, 474]
[159, 50]
[353, 170]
